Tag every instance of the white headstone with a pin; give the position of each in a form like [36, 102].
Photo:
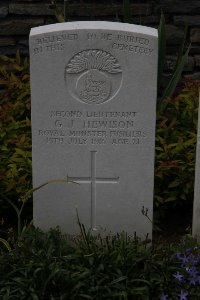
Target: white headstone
[196, 204]
[93, 87]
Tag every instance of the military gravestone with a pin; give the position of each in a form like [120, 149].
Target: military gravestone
[93, 89]
[196, 204]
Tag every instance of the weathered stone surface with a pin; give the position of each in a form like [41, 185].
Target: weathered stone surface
[171, 60]
[93, 121]
[174, 35]
[6, 41]
[18, 26]
[189, 20]
[195, 35]
[178, 6]
[3, 9]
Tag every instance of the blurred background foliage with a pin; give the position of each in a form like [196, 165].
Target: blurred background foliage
[175, 154]
[15, 130]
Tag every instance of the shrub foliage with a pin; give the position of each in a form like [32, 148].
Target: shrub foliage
[49, 266]
[176, 146]
[15, 129]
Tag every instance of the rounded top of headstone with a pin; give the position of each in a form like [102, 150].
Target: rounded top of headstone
[81, 25]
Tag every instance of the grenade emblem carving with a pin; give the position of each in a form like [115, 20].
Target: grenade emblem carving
[93, 76]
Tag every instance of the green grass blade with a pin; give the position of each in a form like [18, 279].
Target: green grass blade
[122, 278]
[6, 244]
[11, 203]
[176, 76]
[161, 48]
[65, 11]
[182, 46]
[31, 191]
[126, 11]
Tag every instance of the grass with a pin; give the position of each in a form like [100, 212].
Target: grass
[52, 266]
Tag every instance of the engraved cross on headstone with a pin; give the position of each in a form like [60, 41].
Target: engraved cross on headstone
[93, 180]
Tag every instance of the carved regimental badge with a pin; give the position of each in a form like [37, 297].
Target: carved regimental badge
[93, 76]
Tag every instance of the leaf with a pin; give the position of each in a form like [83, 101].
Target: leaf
[161, 48]
[142, 281]
[6, 58]
[59, 17]
[14, 78]
[23, 139]
[23, 95]
[6, 244]
[140, 291]
[20, 152]
[18, 59]
[121, 294]
[159, 149]
[3, 82]
[119, 279]
[66, 8]
[53, 273]
[31, 191]
[176, 76]
[85, 296]
[17, 67]
[26, 64]
[26, 76]
[12, 204]
[126, 11]
[173, 145]
[182, 46]
[174, 184]
[171, 199]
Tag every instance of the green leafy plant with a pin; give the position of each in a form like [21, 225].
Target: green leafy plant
[60, 16]
[15, 139]
[15, 128]
[52, 266]
[127, 12]
[182, 56]
[176, 147]
[18, 210]
[168, 90]
[23, 200]
[6, 244]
